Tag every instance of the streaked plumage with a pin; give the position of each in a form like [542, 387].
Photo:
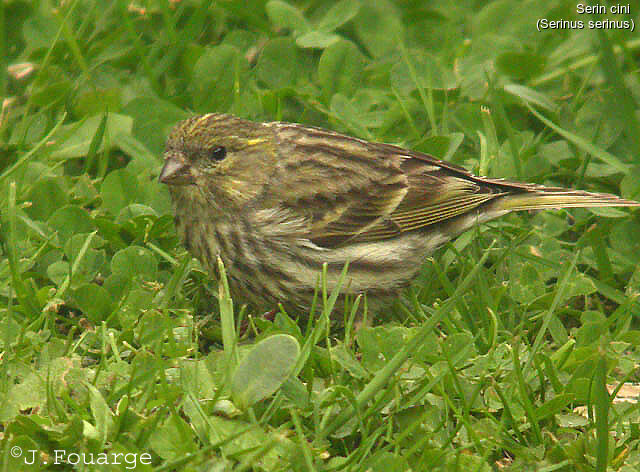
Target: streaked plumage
[277, 200]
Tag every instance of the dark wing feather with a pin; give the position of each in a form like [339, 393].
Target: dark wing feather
[433, 196]
[336, 183]
[352, 190]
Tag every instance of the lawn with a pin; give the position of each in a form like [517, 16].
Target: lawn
[511, 350]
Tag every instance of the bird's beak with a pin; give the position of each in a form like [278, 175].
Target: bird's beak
[176, 172]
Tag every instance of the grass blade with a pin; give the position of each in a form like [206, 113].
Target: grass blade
[382, 377]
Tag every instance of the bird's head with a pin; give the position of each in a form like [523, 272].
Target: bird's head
[226, 157]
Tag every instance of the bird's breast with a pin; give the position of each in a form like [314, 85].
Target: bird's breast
[269, 260]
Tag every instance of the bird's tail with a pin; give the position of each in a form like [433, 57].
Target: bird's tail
[542, 199]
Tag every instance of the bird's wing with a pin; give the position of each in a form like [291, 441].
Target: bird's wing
[349, 190]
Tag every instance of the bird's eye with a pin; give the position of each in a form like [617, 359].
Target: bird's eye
[218, 153]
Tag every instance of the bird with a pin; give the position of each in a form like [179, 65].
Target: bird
[275, 201]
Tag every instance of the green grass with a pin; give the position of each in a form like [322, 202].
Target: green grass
[113, 340]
